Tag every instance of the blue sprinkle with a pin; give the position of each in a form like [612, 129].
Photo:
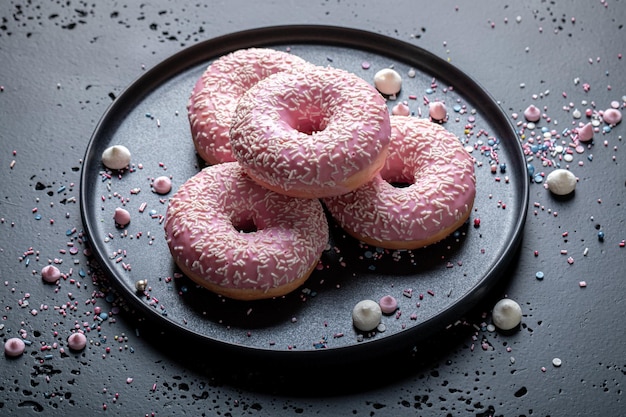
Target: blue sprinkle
[457, 108]
[82, 273]
[104, 316]
[544, 129]
[429, 91]
[110, 298]
[539, 275]
[606, 129]
[538, 178]
[49, 356]
[590, 157]
[534, 148]
[601, 236]
[70, 232]
[152, 212]
[531, 169]
[27, 342]
[183, 289]
[37, 216]
[61, 189]
[368, 254]
[503, 168]
[371, 268]
[131, 349]
[491, 142]
[27, 262]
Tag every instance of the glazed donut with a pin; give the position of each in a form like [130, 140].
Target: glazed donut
[311, 133]
[217, 91]
[240, 240]
[437, 200]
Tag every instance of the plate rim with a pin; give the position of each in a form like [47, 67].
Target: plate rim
[350, 37]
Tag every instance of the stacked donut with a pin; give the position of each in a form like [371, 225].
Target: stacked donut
[284, 139]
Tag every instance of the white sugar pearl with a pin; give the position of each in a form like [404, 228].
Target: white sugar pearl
[561, 181]
[116, 157]
[366, 315]
[388, 81]
[507, 314]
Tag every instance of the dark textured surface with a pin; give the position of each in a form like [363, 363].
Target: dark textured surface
[62, 64]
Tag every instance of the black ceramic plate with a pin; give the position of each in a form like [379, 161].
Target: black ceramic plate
[434, 286]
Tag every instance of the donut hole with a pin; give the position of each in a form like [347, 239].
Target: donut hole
[244, 223]
[398, 184]
[307, 120]
[398, 180]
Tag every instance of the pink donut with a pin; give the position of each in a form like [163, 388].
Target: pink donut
[313, 133]
[437, 201]
[240, 240]
[217, 91]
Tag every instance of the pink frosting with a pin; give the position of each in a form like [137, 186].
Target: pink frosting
[438, 199]
[217, 91]
[14, 347]
[50, 273]
[309, 133]
[239, 239]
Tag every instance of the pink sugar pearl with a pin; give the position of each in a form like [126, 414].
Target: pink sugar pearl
[437, 111]
[388, 304]
[50, 273]
[585, 133]
[121, 216]
[612, 116]
[532, 113]
[14, 347]
[77, 341]
[401, 109]
[162, 185]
